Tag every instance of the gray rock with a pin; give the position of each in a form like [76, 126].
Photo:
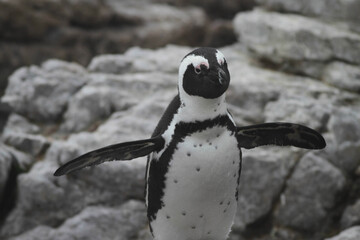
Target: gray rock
[330, 9]
[312, 191]
[138, 59]
[96, 222]
[17, 123]
[345, 124]
[351, 215]
[105, 95]
[5, 164]
[294, 43]
[28, 143]
[46, 200]
[263, 176]
[343, 76]
[348, 156]
[348, 234]
[40, 94]
[300, 110]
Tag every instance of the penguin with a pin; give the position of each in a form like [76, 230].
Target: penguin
[194, 163]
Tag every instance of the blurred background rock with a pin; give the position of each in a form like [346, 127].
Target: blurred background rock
[80, 74]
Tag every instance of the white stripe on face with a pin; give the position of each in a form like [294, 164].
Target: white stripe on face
[220, 57]
[191, 59]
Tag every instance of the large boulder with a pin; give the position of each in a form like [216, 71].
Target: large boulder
[295, 43]
[96, 222]
[312, 191]
[329, 9]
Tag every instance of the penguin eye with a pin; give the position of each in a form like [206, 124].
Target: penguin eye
[197, 70]
[200, 67]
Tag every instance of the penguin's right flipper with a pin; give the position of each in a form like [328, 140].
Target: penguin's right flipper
[280, 134]
[120, 151]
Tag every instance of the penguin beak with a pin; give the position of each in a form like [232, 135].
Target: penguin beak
[223, 79]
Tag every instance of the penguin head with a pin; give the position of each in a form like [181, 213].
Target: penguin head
[204, 73]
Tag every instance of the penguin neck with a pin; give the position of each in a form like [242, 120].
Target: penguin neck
[195, 108]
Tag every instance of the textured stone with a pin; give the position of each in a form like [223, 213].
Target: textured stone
[96, 222]
[331, 9]
[39, 94]
[5, 164]
[295, 43]
[348, 234]
[46, 200]
[345, 123]
[312, 191]
[17, 123]
[351, 215]
[343, 76]
[263, 176]
[28, 143]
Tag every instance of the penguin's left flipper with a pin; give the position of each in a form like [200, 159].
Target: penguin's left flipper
[280, 134]
[120, 151]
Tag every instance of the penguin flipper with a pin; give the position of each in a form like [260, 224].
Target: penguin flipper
[280, 134]
[120, 151]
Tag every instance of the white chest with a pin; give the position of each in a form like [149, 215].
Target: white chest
[201, 182]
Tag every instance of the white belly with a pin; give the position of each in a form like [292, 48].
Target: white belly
[199, 197]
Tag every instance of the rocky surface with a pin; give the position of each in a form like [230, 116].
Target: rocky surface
[32, 31]
[284, 67]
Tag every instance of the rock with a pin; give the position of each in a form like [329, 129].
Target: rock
[343, 76]
[19, 124]
[46, 200]
[216, 9]
[220, 33]
[294, 110]
[90, 13]
[345, 123]
[140, 60]
[348, 156]
[77, 30]
[295, 43]
[348, 234]
[24, 24]
[96, 222]
[104, 95]
[12, 162]
[41, 95]
[342, 10]
[351, 215]
[312, 191]
[5, 165]
[28, 143]
[262, 179]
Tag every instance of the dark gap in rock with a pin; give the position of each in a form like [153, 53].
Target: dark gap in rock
[8, 202]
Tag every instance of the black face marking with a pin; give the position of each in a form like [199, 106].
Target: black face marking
[206, 82]
[159, 168]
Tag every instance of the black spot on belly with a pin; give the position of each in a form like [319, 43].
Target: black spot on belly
[193, 227]
[198, 169]
[183, 213]
[188, 154]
